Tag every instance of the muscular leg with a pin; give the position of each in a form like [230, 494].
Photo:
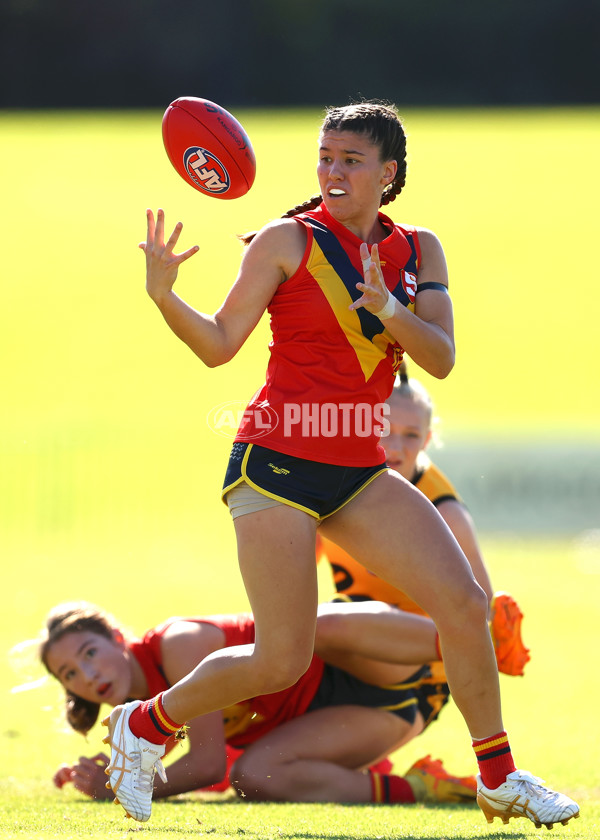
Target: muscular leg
[317, 757]
[363, 637]
[396, 532]
[276, 550]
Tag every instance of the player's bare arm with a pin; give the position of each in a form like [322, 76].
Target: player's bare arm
[427, 335]
[272, 257]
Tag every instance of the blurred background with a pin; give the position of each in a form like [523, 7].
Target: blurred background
[109, 471]
[143, 53]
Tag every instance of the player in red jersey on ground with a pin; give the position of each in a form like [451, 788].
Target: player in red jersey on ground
[310, 742]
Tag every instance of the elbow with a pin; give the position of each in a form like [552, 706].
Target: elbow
[216, 358]
[447, 362]
[214, 362]
[219, 352]
[444, 371]
[442, 368]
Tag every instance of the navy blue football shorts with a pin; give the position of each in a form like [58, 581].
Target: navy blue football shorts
[318, 489]
[338, 688]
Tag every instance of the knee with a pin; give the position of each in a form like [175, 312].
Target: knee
[278, 672]
[332, 632]
[253, 780]
[474, 611]
[476, 604]
[469, 609]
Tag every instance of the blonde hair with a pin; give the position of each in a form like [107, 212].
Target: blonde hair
[413, 390]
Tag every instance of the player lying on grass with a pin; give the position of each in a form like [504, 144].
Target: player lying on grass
[309, 743]
[410, 417]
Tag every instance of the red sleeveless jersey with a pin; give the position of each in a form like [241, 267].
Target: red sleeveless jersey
[331, 370]
[247, 721]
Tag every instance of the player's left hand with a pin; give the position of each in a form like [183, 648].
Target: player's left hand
[374, 291]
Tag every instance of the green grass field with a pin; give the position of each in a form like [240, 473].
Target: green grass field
[546, 712]
[109, 470]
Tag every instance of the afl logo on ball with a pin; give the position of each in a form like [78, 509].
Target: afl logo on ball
[205, 170]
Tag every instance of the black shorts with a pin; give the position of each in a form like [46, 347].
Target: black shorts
[316, 488]
[432, 694]
[338, 688]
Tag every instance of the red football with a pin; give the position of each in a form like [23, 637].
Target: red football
[208, 147]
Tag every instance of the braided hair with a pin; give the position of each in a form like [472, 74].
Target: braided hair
[76, 617]
[379, 122]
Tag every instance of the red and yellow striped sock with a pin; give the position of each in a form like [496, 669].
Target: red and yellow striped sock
[150, 721]
[494, 759]
[385, 788]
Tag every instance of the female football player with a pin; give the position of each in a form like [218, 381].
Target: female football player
[348, 291]
[310, 742]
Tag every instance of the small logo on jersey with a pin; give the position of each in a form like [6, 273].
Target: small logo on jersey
[278, 470]
[398, 356]
[206, 170]
[409, 281]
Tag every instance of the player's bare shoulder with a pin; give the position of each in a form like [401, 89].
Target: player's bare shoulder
[433, 259]
[203, 636]
[283, 240]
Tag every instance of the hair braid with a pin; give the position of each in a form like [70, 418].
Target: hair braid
[394, 189]
[403, 372]
[310, 204]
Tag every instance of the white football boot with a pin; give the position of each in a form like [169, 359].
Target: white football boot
[524, 795]
[133, 763]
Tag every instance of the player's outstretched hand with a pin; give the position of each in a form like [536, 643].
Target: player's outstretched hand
[162, 264]
[87, 776]
[62, 775]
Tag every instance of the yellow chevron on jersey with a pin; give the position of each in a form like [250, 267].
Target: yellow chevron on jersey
[369, 353]
[323, 354]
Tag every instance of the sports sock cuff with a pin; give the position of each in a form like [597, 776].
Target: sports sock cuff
[492, 747]
[160, 718]
[150, 721]
[387, 788]
[494, 758]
